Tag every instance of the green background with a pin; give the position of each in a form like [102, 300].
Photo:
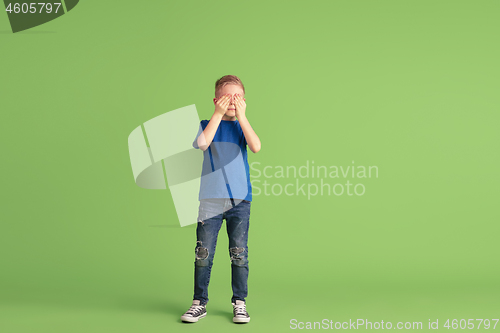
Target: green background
[411, 87]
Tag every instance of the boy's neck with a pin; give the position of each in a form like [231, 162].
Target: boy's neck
[224, 117]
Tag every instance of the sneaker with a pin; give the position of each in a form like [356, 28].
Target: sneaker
[195, 312]
[240, 312]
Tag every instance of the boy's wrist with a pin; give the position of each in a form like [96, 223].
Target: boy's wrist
[217, 116]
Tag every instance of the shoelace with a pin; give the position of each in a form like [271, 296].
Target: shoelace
[240, 309]
[195, 310]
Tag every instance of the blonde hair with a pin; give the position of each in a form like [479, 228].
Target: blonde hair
[228, 79]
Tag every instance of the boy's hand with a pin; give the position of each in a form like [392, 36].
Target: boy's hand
[240, 105]
[222, 104]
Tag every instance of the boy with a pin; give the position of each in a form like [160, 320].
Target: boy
[225, 193]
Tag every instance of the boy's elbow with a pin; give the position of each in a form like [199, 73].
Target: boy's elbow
[203, 147]
[200, 144]
[256, 149]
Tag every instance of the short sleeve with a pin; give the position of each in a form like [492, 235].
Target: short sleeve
[201, 128]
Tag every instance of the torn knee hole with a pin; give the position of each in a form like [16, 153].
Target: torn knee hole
[236, 252]
[201, 252]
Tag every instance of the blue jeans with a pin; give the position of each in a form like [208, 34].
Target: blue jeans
[237, 215]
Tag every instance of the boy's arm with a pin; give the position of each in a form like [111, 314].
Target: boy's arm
[205, 138]
[253, 140]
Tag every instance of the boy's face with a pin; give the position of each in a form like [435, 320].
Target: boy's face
[231, 89]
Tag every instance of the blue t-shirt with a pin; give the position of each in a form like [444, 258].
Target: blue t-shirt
[225, 172]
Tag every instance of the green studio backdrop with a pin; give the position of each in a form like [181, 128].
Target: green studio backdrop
[408, 87]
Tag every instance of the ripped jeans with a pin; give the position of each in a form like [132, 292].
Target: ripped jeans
[237, 215]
